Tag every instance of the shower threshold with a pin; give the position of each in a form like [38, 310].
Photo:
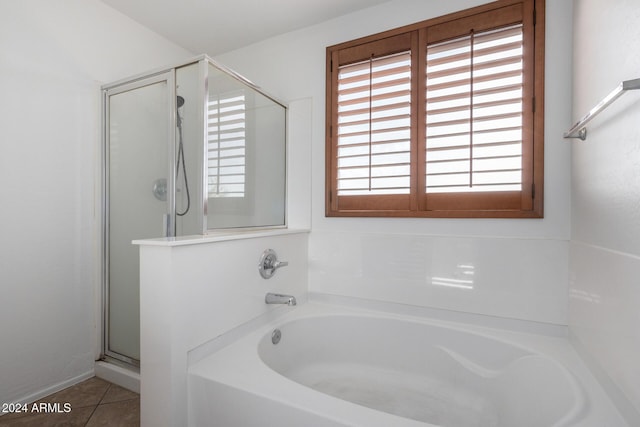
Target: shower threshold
[118, 373]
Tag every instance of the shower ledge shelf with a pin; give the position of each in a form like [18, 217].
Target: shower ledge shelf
[218, 236]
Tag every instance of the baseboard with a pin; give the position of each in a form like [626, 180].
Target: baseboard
[30, 398]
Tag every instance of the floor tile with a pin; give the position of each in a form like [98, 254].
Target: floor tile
[93, 403]
[118, 414]
[76, 418]
[118, 394]
[86, 393]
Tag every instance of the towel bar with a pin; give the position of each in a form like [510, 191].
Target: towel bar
[578, 130]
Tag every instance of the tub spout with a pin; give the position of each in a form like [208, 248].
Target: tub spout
[272, 298]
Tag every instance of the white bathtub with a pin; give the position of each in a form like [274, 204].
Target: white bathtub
[337, 366]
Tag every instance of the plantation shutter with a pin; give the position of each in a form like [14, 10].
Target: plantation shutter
[474, 113]
[374, 126]
[478, 122]
[226, 146]
[373, 150]
[443, 118]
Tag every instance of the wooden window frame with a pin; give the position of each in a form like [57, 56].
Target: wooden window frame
[527, 203]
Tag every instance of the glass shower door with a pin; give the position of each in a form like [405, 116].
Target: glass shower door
[138, 200]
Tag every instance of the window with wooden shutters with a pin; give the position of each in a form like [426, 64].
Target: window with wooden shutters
[442, 118]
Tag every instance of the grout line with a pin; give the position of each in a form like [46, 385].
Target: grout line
[105, 394]
[605, 249]
[91, 416]
[96, 407]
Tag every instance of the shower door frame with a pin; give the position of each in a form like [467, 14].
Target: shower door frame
[107, 91]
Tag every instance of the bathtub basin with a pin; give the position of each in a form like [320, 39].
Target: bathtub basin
[331, 366]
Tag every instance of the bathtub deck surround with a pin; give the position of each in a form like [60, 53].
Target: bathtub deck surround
[337, 365]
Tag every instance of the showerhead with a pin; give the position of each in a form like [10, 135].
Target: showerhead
[179, 101]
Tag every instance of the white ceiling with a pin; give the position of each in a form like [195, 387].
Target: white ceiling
[217, 26]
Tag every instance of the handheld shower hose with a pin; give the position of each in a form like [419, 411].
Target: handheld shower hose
[180, 159]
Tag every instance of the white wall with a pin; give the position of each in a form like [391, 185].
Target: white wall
[526, 275]
[605, 239]
[195, 293]
[53, 58]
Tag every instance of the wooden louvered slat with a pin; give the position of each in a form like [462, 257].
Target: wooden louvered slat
[492, 62]
[374, 125]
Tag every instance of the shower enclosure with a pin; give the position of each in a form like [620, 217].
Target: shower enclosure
[186, 150]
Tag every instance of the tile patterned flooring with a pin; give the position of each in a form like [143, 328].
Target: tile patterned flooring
[94, 402]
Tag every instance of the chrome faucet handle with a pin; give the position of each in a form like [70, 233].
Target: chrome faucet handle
[278, 264]
[269, 264]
